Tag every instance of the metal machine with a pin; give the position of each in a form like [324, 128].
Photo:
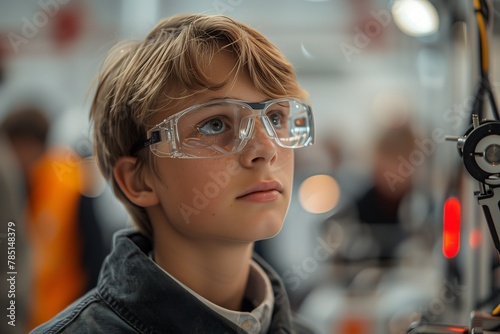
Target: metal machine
[479, 148]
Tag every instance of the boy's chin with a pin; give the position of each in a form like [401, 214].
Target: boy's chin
[268, 231]
[254, 233]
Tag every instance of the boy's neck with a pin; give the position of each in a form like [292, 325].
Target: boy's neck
[217, 271]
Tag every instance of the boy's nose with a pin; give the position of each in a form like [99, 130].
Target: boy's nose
[261, 145]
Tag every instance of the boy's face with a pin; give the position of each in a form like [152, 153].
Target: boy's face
[239, 197]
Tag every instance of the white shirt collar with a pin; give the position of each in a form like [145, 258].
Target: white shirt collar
[259, 292]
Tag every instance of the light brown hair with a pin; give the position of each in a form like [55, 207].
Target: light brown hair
[140, 78]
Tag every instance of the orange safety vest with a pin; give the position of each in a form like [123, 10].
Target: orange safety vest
[58, 274]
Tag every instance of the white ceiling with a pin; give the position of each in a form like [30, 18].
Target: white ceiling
[309, 32]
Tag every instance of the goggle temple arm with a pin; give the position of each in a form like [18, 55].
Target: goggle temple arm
[155, 138]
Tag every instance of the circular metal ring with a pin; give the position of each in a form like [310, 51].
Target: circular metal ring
[475, 145]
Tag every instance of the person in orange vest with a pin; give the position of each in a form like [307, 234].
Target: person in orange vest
[53, 230]
[23, 133]
[64, 252]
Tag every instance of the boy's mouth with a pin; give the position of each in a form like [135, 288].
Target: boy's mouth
[262, 192]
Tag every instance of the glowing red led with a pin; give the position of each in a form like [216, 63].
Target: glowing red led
[451, 227]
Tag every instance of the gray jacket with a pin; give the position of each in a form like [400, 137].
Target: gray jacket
[133, 295]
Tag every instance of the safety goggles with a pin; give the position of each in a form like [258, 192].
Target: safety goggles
[224, 126]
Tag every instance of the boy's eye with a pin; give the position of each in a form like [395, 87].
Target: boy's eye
[276, 118]
[213, 126]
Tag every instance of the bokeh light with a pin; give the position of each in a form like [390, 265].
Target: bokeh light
[415, 17]
[319, 193]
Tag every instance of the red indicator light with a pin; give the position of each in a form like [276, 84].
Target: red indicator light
[451, 227]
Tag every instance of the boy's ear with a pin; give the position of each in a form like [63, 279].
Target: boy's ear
[136, 184]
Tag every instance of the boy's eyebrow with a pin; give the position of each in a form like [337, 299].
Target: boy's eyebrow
[234, 98]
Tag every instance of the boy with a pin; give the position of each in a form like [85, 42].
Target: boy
[203, 175]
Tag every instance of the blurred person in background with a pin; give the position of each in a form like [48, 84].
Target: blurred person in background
[393, 206]
[396, 205]
[65, 233]
[65, 254]
[25, 132]
[381, 201]
[379, 207]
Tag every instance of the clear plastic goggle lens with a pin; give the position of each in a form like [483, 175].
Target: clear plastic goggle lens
[223, 127]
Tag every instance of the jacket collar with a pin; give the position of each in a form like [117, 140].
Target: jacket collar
[151, 301]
